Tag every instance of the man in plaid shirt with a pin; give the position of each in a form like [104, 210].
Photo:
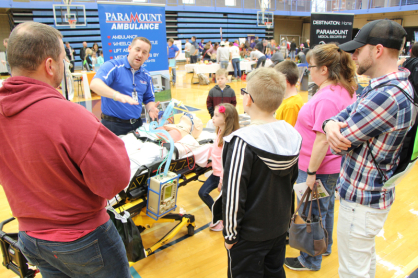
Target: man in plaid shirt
[382, 116]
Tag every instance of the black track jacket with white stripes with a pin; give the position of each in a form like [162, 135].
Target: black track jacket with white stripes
[260, 167]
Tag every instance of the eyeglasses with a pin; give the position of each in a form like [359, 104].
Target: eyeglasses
[244, 91]
[312, 67]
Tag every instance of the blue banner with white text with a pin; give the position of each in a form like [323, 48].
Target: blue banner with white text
[121, 23]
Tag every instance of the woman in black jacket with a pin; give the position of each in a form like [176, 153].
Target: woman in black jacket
[89, 63]
[292, 50]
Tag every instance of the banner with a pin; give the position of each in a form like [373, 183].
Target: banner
[120, 23]
[331, 27]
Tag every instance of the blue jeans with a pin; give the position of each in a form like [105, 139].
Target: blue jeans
[236, 65]
[224, 64]
[327, 212]
[292, 54]
[173, 69]
[208, 186]
[99, 254]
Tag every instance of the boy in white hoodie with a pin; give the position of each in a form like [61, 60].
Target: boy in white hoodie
[260, 167]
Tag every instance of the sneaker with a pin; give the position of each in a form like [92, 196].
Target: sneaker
[218, 227]
[239, 79]
[233, 78]
[294, 264]
[326, 254]
[213, 224]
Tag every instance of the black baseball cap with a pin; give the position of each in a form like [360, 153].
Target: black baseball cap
[383, 31]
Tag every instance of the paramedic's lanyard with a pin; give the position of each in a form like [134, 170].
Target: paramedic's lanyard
[134, 93]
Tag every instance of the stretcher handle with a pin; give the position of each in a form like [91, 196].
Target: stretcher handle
[5, 222]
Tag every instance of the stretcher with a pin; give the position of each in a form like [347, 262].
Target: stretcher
[134, 200]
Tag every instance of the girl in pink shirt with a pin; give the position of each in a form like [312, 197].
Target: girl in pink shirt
[225, 119]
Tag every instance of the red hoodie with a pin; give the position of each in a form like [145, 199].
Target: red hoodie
[58, 163]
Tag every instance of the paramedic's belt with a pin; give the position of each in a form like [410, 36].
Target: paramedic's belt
[114, 119]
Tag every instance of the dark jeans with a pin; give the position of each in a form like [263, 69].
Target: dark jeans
[208, 186]
[121, 128]
[193, 59]
[261, 61]
[327, 212]
[100, 254]
[236, 65]
[257, 258]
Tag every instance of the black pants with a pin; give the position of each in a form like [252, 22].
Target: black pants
[261, 60]
[121, 128]
[257, 258]
[193, 59]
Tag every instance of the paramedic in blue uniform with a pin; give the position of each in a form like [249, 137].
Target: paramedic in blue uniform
[173, 52]
[124, 84]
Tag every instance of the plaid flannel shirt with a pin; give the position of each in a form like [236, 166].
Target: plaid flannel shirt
[381, 116]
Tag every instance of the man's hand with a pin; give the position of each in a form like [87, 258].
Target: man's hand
[229, 246]
[310, 181]
[220, 186]
[153, 112]
[4, 62]
[125, 99]
[336, 140]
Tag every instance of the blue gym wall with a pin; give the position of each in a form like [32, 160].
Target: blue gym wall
[180, 26]
[203, 19]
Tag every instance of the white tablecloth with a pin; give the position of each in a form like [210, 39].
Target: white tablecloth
[86, 87]
[212, 68]
[181, 57]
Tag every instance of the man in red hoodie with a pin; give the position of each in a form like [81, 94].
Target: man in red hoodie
[58, 165]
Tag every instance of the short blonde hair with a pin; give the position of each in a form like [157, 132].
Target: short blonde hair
[267, 87]
[221, 72]
[89, 51]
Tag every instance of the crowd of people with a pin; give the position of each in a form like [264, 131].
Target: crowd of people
[330, 138]
[92, 58]
[233, 52]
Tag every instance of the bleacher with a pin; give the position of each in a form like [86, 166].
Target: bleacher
[200, 18]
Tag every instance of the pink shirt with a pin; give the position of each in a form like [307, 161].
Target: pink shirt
[325, 104]
[217, 158]
[60, 235]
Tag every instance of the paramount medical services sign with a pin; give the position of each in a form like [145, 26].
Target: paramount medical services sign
[331, 27]
[125, 21]
[120, 23]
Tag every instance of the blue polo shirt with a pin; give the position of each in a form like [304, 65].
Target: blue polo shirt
[117, 75]
[172, 51]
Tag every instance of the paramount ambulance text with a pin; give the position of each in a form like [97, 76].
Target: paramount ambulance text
[125, 21]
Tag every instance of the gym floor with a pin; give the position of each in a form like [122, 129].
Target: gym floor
[204, 255]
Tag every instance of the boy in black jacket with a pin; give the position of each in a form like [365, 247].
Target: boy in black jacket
[260, 167]
[221, 93]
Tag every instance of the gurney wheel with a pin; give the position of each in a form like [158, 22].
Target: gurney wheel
[190, 230]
